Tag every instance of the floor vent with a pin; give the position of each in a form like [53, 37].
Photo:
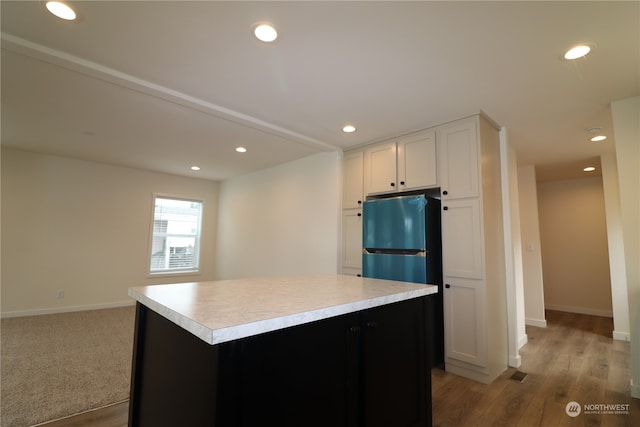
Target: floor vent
[519, 376]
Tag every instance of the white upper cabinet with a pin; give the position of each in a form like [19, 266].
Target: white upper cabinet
[353, 180]
[406, 163]
[380, 168]
[458, 163]
[417, 161]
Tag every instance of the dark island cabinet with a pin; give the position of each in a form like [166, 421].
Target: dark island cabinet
[368, 368]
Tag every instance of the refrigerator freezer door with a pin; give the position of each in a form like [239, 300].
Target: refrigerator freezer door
[395, 223]
[406, 268]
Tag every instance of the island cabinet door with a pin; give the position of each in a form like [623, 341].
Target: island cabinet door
[174, 375]
[396, 370]
[304, 375]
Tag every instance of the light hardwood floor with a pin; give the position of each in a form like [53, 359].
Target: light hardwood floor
[573, 359]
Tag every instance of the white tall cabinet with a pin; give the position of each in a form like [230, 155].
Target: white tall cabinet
[475, 310]
[462, 159]
[352, 199]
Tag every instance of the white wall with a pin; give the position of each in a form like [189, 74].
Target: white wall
[513, 256]
[575, 255]
[281, 221]
[617, 268]
[530, 248]
[626, 126]
[84, 227]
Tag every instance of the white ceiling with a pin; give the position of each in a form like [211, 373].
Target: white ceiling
[167, 85]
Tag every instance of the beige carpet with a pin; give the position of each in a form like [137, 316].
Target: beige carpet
[57, 365]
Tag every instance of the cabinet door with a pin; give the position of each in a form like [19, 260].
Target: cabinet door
[353, 180]
[417, 161]
[464, 320]
[458, 148]
[397, 380]
[305, 375]
[462, 239]
[380, 168]
[352, 238]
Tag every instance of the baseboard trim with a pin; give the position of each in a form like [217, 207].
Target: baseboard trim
[515, 362]
[635, 390]
[523, 340]
[485, 375]
[57, 310]
[83, 412]
[536, 322]
[622, 336]
[579, 310]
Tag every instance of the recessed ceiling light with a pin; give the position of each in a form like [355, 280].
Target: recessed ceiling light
[589, 169]
[241, 149]
[577, 52]
[598, 138]
[265, 32]
[61, 10]
[195, 168]
[348, 129]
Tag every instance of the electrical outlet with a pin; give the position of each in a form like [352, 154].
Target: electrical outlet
[60, 293]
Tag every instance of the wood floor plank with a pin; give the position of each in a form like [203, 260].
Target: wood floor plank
[542, 411]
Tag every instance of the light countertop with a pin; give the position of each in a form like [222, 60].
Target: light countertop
[226, 310]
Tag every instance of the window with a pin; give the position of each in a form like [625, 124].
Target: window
[175, 237]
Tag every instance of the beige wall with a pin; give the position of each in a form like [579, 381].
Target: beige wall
[575, 254]
[281, 221]
[84, 227]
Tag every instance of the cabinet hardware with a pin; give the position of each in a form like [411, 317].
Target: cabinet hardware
[359, 214]
[372, 324]
[447, 286]
[354, 329]
[446, 208]
[401, 182]
[445, 192]
[359, 202]
[393, 184]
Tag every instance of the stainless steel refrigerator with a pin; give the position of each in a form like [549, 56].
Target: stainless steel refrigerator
[402, 241]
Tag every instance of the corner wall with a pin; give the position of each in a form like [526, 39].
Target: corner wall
[617, 268]
[84, 228]
[530, 248]
[281, 221]
[626, 126]
[513, 256]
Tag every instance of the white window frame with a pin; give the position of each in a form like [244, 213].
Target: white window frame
[194, 268]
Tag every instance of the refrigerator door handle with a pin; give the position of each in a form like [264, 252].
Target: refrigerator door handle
[411, 252]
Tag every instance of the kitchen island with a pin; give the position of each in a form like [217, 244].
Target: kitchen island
[313, 350]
